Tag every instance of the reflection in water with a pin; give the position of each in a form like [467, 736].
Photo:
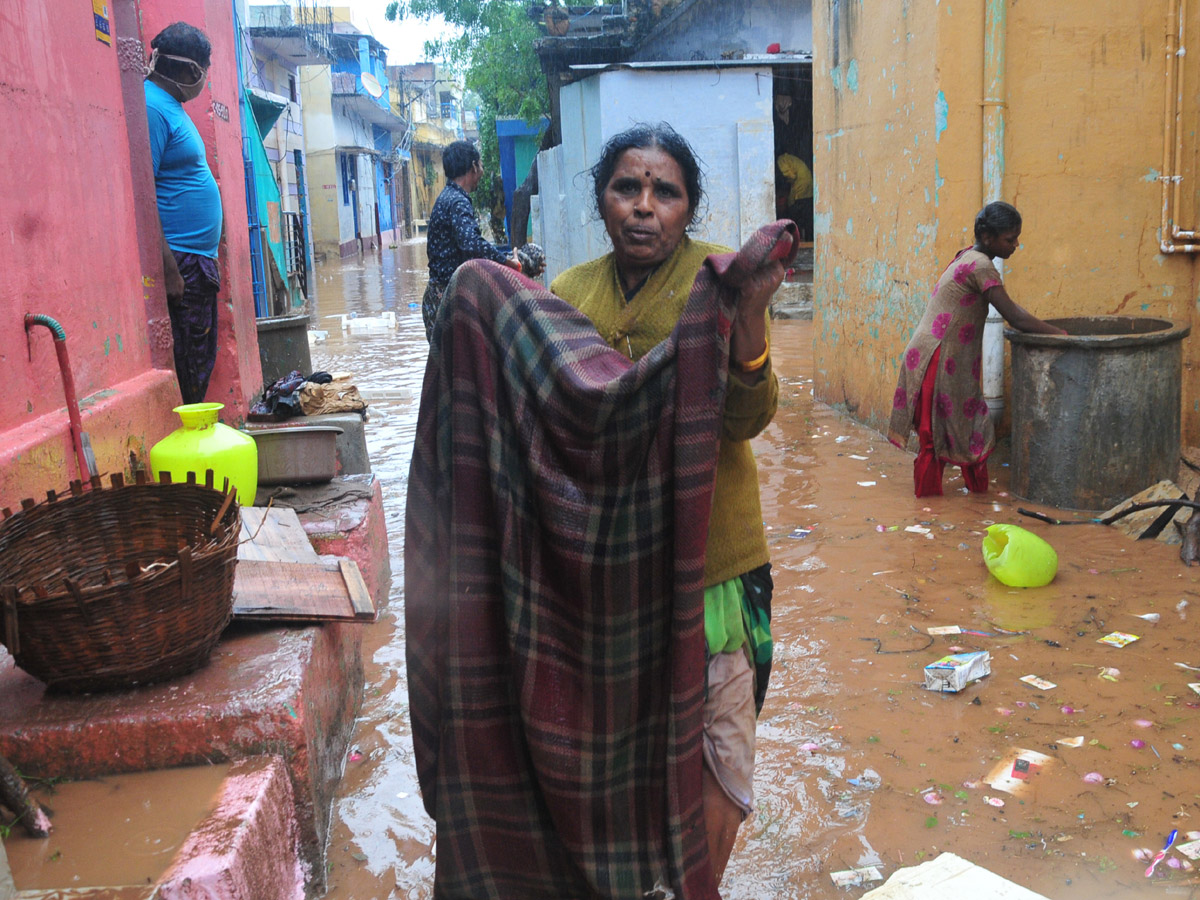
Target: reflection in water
[854, 596]
[380, 835]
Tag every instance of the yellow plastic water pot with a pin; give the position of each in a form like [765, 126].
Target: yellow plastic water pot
[1017, 557]
[203, 443]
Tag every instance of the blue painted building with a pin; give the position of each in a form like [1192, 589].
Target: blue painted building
[353, 139]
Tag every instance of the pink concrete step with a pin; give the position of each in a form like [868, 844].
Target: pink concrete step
[286, 692]
[246, 848]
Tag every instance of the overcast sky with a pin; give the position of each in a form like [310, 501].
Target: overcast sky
[405, 39]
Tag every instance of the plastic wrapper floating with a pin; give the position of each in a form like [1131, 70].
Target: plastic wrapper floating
[1012, 773]
[952, 673]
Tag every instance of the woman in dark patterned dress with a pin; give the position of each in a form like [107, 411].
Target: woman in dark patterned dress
[939, 392]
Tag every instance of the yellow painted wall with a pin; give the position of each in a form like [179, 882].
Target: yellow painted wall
[324, 179]
[324, 185]
[898, 164]
[426, 159]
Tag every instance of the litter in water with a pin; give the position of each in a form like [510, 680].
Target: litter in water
[952, 673]
[1076, 741]
[1161, 854]
[1118, 639]
[1039, 683]
[869, 780]
[853, 877]
[1012, 773]
[944, 629]
[1191, 849]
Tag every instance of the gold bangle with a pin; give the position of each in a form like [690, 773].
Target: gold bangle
[755, 364]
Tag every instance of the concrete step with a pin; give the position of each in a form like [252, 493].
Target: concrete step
[793, 300]
[277, 700]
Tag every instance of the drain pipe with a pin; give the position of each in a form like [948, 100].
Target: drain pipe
[1171, 176]
[994, 33]
[87, 465]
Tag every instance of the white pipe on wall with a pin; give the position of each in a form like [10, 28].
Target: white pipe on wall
[995, 29]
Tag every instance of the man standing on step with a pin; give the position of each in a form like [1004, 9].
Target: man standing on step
[189, 202]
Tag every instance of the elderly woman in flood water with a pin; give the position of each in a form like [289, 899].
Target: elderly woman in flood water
[647, 187]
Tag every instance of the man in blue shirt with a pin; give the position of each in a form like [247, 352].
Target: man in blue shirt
[454, 235]
[189, 202]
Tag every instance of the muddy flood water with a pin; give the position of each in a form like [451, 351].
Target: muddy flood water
[858, 765]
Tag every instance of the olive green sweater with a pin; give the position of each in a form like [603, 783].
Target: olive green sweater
[736, 541]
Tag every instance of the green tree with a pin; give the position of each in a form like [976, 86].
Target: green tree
[494, 52]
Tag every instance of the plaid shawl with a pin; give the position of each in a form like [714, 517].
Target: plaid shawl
[558, 505]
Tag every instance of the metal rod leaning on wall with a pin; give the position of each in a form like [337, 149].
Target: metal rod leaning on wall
[83, 454]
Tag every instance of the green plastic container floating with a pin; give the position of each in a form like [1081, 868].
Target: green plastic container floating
[203, 443]
[1017, 557]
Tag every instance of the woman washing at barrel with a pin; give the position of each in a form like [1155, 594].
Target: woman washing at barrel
[939, 390]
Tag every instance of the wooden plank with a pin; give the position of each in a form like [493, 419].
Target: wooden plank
[281, 537]
[360, 597]
[305, 592]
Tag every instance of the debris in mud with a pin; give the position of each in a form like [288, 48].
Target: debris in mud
[1192, 848]
[869, 780]
[1012, 773]
[944, 629]
[952, 673]
[856, 877]
[1040, 683]
[1118, 639]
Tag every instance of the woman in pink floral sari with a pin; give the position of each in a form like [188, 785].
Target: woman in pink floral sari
[939, 392]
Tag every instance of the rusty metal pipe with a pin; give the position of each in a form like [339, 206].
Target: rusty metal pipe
[1172, 134]
[64, 367]
[1177, 233]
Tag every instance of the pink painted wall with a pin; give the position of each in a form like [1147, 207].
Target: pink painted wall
[76, 245]
[70, 247]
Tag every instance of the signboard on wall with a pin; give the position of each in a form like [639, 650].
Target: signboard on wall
[100, 20]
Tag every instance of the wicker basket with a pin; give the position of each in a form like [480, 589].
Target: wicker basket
[113, 587]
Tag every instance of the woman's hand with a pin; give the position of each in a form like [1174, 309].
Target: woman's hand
[1016, 315]
[748, 339]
